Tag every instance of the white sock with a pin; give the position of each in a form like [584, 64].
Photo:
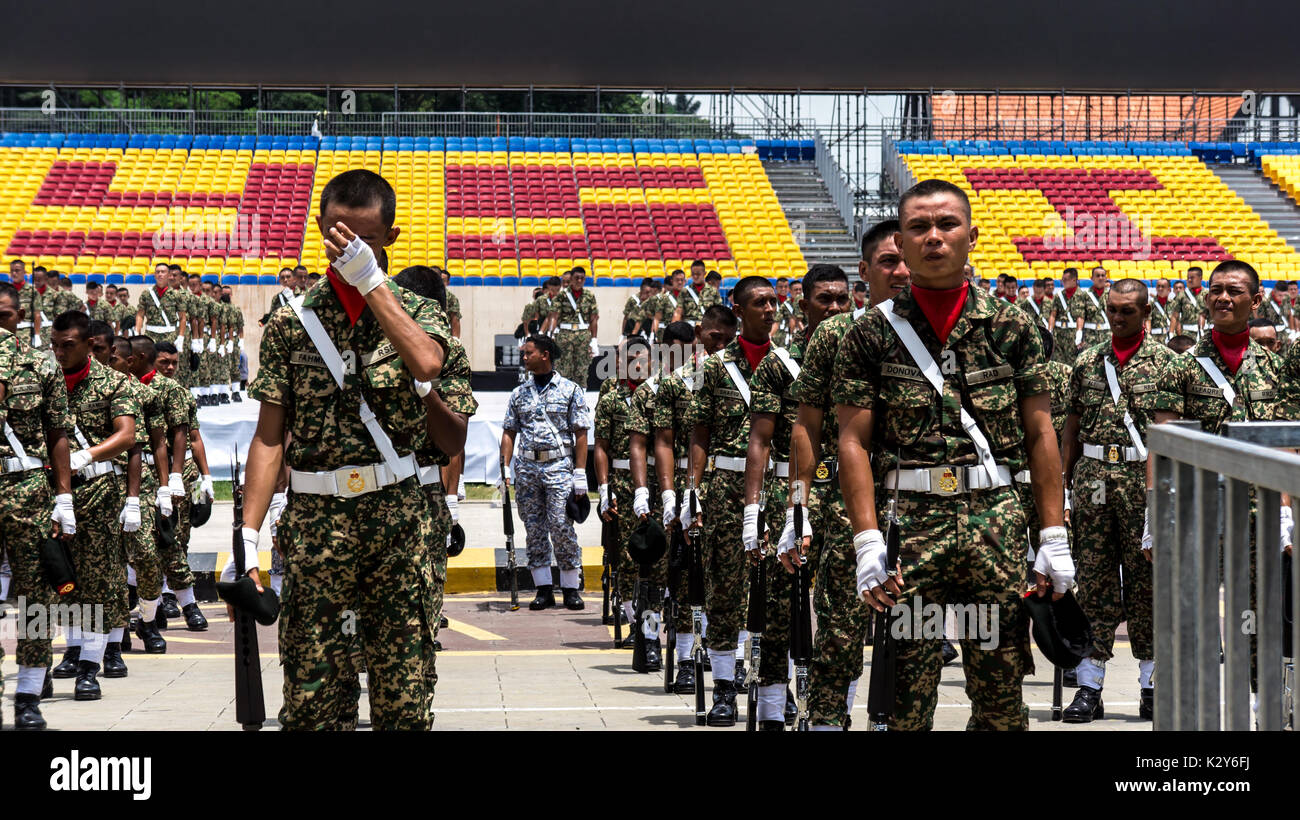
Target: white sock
[115, 634]
[92, 646]
[148, 610]
[74, 636]
[234, 387]
[853, 691]
[277, 584]
[184, 597]
[724, 665]
[196, 391]
[685, 644]
[460, 488]
[740, 644]
[541, 576]
[568, 579]
[4, 589]
[1145, 668]
[1091, 673]
[771, 702]
[130, 575]
[31, 679]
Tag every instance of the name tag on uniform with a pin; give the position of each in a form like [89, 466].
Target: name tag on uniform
[990, 374]
[729, 393]
[382, 352]
[902, 371]
[1094, 384]
[307, 357]
[94, 405]
[1145, 387]
[1204, 390]
[23, 389]
[1261, 395]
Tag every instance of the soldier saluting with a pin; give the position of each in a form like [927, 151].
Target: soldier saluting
[336, 374]
[950, 385]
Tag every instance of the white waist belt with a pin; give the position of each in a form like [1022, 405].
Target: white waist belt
[20, 465]
[23, 325]
[348, 482]
[1022, 477]
[160, 328]
[1112, 453]
[99, 468]
[781, 469]
[735, 465]
[946, 480]
[1090, 325]
[573, 325]
[430, 475]
[147, 458]
[626, 463]
[683, 463]
[1159, 331]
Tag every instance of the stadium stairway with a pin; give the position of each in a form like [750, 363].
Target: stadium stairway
[805, 200]
[1264, 197]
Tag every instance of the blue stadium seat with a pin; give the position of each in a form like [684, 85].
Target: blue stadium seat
[135, 279]
[212, 278]
[604, 281]
[114, 279]
[456, 282]
[230, 279]
[510, 281]
[589, 282]
[77, 278]
[622, 281]
[491, 281]
[248, 278]
[473, 281]
[530, 281]
[94, 277]
[268, 279]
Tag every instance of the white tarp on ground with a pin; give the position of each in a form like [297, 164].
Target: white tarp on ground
[231, 426]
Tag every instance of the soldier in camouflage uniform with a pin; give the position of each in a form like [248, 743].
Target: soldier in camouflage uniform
[1277, 310]
[784, 313]
[615, 489]
[1105, 467]
[1189, 302]
[678, 303]
[1089, 310]
[575, 315]
[961, 524]
[98, 308]
[32, 325]
[355, 532]
[633, 310]
[452, 310]
[125, 312]
[842, 617]
[1061, 319]
[229, 380]
[161, 312]
[719, 443]
[1036, 303]
[703, 291]
[103, 414]
[772, 415]
[200, 317]
[61, 299]
[35, 413]
[672, 425]
[1159, 324]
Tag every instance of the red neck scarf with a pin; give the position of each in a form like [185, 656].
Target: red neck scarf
[753, 353]
[577, 292]
[91, 302]
[112, 302]
[161, 289]
[1098, 292]
[1163, 300]
[1277, 298]
[1069, 292]
[1195, 291]
[353, 301]
[41, 289]
[859, 302]
[1232, 347]
[74, 379]
[18, 283]
[780, 299]
[941, 307]
[1125, 348]
[148, 377]
[1038, 300]
[698, 288]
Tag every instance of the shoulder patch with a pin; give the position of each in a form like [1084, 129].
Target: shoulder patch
[902, 371]
[989, 374]
[1204, 390]
[307, 357]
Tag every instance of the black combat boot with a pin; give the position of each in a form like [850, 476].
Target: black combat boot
[1085, 708]
[545, 598]
[1147, 703]
[723, 712]
[791, 707]
[27, 712]
[742, 677]
[154, 643]
[949, 652]
[653, 656]
[235, 397]
[194, 620]
[47, 690]
[114, 666]
[685, 683]
[1069, 678]
[67, 667]
[771, 726]
[87, 687]
[160, 621]
[443, 623]
[572, 600]
[168, 606]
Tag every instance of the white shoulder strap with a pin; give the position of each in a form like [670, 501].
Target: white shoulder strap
[1208, 365]
[1065, 305]
[671, 299]
[158, 305]
[689, 381]
[653, 381]
[1160, 307]
[14, 443]
[916, 349]
[1037, 310]
[1099, 308]
[690, 290]
[1112, 380]
[734, 372]
[582, 323]
[329, 353]
[790, 364]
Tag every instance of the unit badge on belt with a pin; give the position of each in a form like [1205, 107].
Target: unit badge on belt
[948, 481]
[1112, 454]
[355, 482]
[823, 472]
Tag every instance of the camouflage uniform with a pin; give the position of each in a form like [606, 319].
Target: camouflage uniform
[785, 316]
[125, 317]
[165, 322]
[574, 336]
[1035, 310]
[141, 546]
[671, 411]
[669, 301]
[97, 552]
[543, 487]
[354, 565]
[632, 314]
[1096, 327]
[454, 389]
[453, 308]
[613, 412]
[1064, 349]
[967, 547]
[64, 301]
[1190, 308]
[32, 303]
[709, 297]
[200, 312]
[179, 409]
[231, 376]
[36, 403]
[104, 312]
[719, 406]
[842, 617]
[1109, 493]
[1059, 376]
[1277, 313]
[1161, 319]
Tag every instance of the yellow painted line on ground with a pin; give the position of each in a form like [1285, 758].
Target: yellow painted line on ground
[472, 631]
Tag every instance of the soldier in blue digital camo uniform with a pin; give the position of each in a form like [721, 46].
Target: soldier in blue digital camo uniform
[720, 412]
[355, 530]
[962, 528]
[548, 416]
[842, 617]
[772, 415]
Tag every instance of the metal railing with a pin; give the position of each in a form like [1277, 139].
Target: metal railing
[894, 166]
[995, 127]
[837, 184]
[1191, 510]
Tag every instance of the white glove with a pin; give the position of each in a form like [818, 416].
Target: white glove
[422, 389]
[872, 571]
[595, 348]
[164, 501]
[80, 460]
[1067, 499]
[669, 499]
[580, 481]
[212, 345]
[686, 516]
[176, 484]
[36, 340]
[230, 347]
[453, 507]
[130, 516]
[278, 502]
[749, 529]
[250, 556]
[180, 341]
[205, 487]
[787, 532]
[1146, 530]
[196, 345]
[357, 265]
[1078, 336]
[1286, 526]
[641, 501]
[1054, 559]
[603, 491]
[64, 515]
[241, 343]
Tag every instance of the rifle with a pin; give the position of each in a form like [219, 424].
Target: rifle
[695, 594]
[605, 619]
[1057, 684]
[637, 628]
[508, 519]
[800, 616]
[676, 556]
[609, 543]
[884, 650]
[250, 708]
[756, 623]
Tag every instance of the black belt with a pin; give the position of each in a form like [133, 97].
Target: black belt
[825, 471]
